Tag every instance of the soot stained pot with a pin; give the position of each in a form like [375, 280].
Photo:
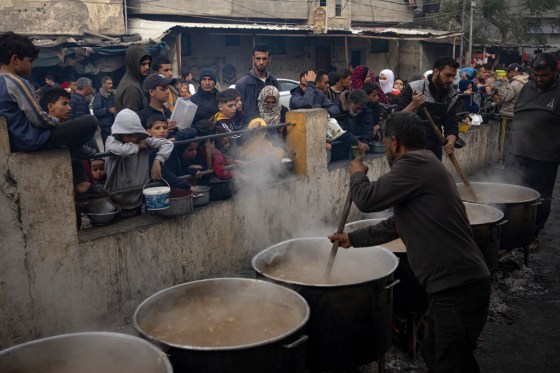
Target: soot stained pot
[409, 295]
[177, 207]
[519, 205]
[227, 325]
[90, 352]
[202, 196]
[351, 310]
[486, 225]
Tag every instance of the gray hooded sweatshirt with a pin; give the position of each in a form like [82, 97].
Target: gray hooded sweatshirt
[128, 166]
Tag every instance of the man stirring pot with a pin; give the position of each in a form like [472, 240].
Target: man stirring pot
[431, 220]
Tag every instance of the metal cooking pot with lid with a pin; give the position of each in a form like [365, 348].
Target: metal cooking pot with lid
[519, 205]
[89, 352]
[351, 311]
[227, 325]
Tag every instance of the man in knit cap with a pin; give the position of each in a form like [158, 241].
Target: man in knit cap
[206, 95]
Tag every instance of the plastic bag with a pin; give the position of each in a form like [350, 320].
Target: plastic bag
[476, 119]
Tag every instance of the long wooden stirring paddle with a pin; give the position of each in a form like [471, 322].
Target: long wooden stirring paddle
[451, 156]
[341, 223]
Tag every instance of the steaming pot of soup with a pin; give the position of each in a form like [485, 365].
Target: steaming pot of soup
[227, 325]
[519, 205]
[351, 310]
[90, 352]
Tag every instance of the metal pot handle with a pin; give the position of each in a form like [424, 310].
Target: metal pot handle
[539, 202]
[296, 343]
[392, 284]
[502, 222]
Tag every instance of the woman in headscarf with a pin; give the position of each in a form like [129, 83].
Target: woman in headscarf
[386, 80]
[359, 76]
[271, 112]
[270, 108]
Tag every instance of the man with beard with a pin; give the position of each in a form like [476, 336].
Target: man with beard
[535, 147]
[358, 124]
[130, 93]
[431, 220]
[206, 96]
[252, 84]
[437, 94]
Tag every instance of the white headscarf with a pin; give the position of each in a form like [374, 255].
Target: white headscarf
[387, 85]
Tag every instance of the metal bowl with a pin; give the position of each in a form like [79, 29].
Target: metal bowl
[101, 206]
[103, 218]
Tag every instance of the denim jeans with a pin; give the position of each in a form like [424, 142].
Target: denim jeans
[455, 320]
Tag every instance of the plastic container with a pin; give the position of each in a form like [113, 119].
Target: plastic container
[157, 198]
[183, 113]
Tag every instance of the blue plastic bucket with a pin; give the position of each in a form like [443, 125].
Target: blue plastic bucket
[157, 198]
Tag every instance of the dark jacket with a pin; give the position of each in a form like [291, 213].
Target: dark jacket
[130, 93]
[442, 106]
[79, 105]
[250, 86]
[361, 126]
[312, 98]
[203, 98]
[102, 102]
[536, 123]
[429, 217]
[148, 111]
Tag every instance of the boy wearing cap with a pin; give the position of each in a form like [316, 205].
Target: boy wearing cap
[157, 88]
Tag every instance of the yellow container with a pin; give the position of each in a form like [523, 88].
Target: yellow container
[501, 74]
[463, 127]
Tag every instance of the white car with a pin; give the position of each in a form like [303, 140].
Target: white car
[285, 86]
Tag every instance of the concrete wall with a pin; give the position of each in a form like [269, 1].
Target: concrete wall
[210, 50]
[55, 280]
[60, 17]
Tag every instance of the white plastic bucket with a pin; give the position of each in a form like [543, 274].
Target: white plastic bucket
[157, 198]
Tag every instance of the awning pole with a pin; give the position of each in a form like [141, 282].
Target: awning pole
[346, 50]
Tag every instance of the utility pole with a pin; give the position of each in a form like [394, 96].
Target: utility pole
[470, 34]
[462, 51]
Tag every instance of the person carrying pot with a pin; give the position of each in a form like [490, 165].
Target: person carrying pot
[431, 220]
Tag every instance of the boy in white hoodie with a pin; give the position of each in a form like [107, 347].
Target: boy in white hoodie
[128, 164]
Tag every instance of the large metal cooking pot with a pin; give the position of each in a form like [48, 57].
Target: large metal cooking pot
[227, 325]
[486, 225]
[350, 321]
[409, 295]
[519, 205]
[90, 352]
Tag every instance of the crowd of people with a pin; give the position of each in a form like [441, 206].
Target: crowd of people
[142, 142]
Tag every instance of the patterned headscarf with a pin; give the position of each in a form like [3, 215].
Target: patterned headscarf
[270, 112]
[358, 77]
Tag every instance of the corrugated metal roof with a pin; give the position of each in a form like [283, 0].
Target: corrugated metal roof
[156, 30]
